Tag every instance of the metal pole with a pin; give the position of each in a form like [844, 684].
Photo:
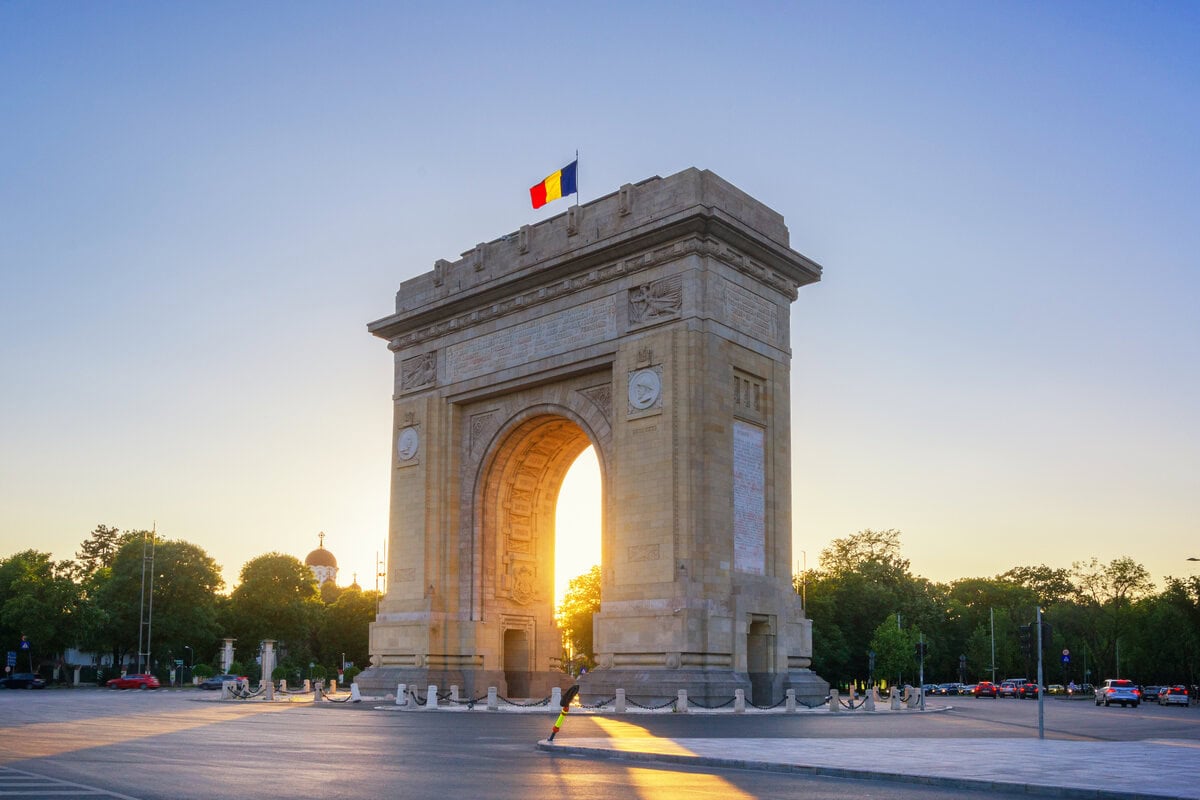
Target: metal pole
[921, 671]
[992, 615]
[1041, 718]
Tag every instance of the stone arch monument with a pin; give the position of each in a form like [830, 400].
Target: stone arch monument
[652, 324]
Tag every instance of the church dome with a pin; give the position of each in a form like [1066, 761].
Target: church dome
[320, 558]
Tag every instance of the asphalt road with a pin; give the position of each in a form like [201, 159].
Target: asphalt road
[183, 744]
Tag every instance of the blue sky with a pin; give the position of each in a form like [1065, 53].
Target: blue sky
[202, 205]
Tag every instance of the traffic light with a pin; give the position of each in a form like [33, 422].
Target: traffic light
[1025, 632]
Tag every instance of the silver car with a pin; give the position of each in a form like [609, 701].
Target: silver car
[1173, 695]
[1118, 690]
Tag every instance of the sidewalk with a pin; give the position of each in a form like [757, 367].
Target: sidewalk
[1126, 770]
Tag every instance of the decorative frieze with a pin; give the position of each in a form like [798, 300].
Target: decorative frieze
[656, 301]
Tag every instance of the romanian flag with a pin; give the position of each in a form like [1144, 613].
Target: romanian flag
[560, 184]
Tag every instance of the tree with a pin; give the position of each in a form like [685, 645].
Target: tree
[1049, 586]
[277, 598]
[184, 590]
[574, 616]
[38, 600]
[895, 650]
[99, 549]
[345, 627]
[1106, 593]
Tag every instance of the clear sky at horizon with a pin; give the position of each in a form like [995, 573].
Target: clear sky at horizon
[202, 205]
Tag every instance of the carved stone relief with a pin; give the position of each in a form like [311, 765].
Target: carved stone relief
[418, 372]
[656, 301]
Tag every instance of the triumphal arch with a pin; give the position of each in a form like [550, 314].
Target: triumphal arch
[653, 325]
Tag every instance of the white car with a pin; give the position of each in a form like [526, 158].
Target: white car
[1173, 696]
[1118, 690]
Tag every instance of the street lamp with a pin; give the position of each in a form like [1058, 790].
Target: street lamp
[190, 661]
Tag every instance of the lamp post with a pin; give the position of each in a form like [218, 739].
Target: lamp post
[191, 658]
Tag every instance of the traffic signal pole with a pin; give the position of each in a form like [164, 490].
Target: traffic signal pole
[1041, 717]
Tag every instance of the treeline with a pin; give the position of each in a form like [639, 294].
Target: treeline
[92, 603]
[1111, 619]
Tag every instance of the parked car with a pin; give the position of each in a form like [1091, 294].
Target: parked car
[985, 689]
[23, 680]
[1118, 690]
[1173, 696]
[967, 689]
[137, 680]
[1010, 689]
[1029, 690]
[216, 680]
[947, 688]
[1056, 688]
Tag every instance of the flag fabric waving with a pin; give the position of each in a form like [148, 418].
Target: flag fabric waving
[559, 184]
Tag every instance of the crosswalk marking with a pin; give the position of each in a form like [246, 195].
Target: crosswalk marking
[19, 783]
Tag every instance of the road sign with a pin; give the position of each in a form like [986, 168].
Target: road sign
[12, 658]
[24, 644]
[1066, 658]
[1066, 652]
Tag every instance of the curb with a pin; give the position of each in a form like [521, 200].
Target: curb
[1044, 790]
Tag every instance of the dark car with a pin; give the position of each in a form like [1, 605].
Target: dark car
[985, 689]
[1029, 690]
[1150, 693]
[216, 680]
[23, 680]
[137, 680]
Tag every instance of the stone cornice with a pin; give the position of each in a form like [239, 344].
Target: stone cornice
[702, 232]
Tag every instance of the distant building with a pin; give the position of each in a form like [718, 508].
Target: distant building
[322, 563]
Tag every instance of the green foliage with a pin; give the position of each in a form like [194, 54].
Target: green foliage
[344, 625]
[203, 671]
[895, 651]
[350, 674]
[574, 616]
[39, 600]
[317, 672]
[237, 668]
[277, 598]
[99, 550]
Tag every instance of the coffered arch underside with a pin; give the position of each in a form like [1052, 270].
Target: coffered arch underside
[519, 449]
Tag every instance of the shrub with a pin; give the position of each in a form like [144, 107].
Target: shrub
[203, 671]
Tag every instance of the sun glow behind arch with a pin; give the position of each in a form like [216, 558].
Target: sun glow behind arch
[577, 522]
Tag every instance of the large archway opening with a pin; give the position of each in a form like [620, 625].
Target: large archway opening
[532, 516]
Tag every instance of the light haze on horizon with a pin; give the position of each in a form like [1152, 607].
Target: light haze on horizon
[203, 205]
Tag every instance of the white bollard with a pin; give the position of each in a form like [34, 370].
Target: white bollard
[835, 702]
[307, 685]
[739, 701]
[914, 698]
[402, 694]
[894, 698]
[454, 700]
[790, 707]
[431, 698]
[227, 690]
[681, 702]
[355, 697]
[493, 704]
[869, 701]
[620, 701]
[556, 697]
[333, 686]
[283, 684]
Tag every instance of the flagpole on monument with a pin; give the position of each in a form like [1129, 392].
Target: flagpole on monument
[577, 177]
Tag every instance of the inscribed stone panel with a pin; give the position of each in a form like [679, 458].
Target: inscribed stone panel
[749, 499]
[747, 312]
[551, 335]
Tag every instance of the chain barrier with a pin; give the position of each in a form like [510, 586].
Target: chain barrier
[698, 704]
[545, 701]
[327, 696]
[633, 702]
[767, 708]
[815, 705]
[851, 704]
[601, 704]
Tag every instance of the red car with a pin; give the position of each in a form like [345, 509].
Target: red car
[134, 681]
[1029, 690]
[985, 689]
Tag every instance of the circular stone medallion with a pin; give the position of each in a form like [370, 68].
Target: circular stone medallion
[644, 389]
[407, 443]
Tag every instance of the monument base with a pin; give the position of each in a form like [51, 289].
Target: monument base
[654, 687]
[472, 684]
[811, 688]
